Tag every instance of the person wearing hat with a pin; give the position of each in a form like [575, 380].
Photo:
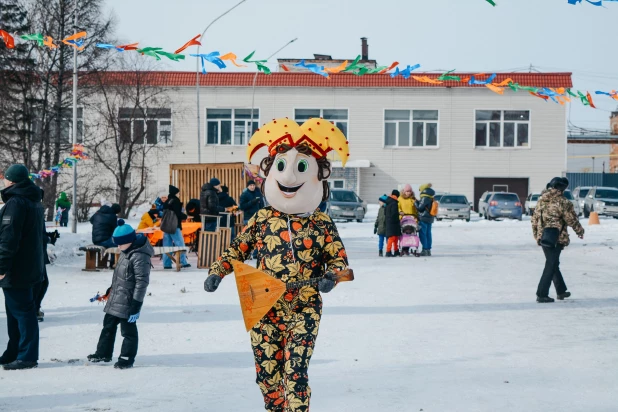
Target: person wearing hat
[149, 219]
[209, 203]
[426, 219]
[103, 225]
[22, 266]
[251, 200]
[391, 222]
[64, 204]
[229, 204]
[552, 214]
[379, 228]
[125, 297]
[174, 205]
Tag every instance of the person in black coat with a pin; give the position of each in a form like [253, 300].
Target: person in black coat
[393, 227]
[103, 225]
[424, 206]
[209, 203]
[174, 205]
[251, 200]
[22, 265]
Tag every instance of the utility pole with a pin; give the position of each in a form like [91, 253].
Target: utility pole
[592, 164]
[74, 223]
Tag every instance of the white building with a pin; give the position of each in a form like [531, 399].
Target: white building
[464, 139]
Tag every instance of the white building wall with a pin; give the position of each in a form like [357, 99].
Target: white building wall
[451, 167]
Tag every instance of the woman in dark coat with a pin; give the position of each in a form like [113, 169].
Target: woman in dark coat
[393, 228]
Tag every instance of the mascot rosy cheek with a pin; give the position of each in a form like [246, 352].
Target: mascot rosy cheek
[296, 169]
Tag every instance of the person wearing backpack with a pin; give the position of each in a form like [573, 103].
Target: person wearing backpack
[427, 210]
[173, 212]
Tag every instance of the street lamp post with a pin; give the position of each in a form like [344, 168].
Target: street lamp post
[197, 82]
[255, 80]
[74, 223]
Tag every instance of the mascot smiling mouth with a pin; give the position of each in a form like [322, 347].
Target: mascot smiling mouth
[289, 191]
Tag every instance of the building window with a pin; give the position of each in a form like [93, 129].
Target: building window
[411, 128]
[66, 125]
[337, 184]
[230, 126]
[502, 128]
[145, 126]
[338, 116]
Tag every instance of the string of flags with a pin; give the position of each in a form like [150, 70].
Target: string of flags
[77, 154]
[598, 3]
[558, 95]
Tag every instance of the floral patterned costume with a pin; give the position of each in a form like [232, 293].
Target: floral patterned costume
[290, 248]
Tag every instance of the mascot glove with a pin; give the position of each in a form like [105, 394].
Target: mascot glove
[327, 283]
[212, 283]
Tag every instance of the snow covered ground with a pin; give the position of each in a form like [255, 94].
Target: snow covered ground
[460, 331]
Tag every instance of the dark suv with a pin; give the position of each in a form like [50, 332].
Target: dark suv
[345, 204]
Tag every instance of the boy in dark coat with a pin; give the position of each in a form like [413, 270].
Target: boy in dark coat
[125, 297]
[393, 227]
[229, 204]
[193, 210]
[379, 227]
[21, 266]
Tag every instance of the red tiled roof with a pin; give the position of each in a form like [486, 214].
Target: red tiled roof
[245, 79]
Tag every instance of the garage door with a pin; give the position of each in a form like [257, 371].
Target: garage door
[500, 184]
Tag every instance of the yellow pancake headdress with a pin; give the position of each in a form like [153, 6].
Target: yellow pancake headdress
[320, 135]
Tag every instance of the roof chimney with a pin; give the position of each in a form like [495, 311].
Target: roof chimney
[364, 49]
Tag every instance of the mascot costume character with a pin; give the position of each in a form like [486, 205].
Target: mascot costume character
[294, 242]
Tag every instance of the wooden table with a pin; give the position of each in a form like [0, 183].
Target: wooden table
[155, 234]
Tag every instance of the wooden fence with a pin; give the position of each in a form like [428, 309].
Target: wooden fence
[189, 178]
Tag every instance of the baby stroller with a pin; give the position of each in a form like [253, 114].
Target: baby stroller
[409, 234]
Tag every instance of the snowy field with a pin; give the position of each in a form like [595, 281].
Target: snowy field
[459, 331]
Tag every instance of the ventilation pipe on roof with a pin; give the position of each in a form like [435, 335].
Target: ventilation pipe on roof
[364, 49]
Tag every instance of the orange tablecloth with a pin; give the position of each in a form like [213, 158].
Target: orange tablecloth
[155, 234]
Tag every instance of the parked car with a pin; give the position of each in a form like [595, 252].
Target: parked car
[531, 202]
[505, 205]
[580, 194]
[569, 196]
[454, 207]
[484, 203]
[603, 200]
[345, 204]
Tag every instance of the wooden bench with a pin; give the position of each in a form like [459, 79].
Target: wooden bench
[95, 258]
[171, 251]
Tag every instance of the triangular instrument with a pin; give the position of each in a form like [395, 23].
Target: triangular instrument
[257, 291]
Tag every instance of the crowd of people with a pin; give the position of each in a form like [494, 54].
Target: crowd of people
[401, 215]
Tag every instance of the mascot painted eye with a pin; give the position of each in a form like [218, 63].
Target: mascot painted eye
[281, 163]
[303, 165]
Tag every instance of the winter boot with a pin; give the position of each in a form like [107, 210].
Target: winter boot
[40, 315]
[389, 254]
[424, 253]
[380, 254]
[19, 364]
[561, 296]
[428, 252]
[123, 364]
[397, 253]
[94, 358]
[545, 299]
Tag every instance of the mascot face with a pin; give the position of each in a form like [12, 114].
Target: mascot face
[292, 185]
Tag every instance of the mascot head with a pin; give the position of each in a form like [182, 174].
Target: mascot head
[296, 169]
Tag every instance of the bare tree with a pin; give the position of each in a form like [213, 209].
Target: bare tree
[133, 121]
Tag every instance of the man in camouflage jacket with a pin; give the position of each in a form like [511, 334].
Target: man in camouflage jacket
[554, 211]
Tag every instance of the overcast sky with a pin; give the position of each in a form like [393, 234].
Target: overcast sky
[467, 35]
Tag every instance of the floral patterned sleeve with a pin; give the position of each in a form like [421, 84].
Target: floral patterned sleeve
[240, 250]
[334, 252]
